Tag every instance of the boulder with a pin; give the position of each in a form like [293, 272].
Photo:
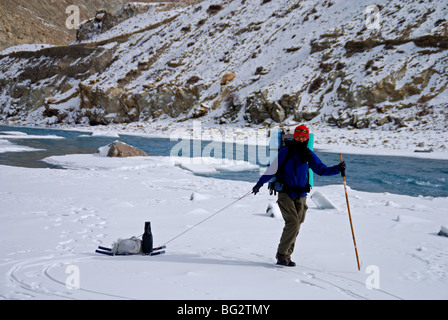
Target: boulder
[122, 150]
[227, 78]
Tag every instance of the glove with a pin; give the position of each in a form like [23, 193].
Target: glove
[256, 189]
[341, 167]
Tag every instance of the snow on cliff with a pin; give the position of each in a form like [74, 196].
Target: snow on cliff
[242, 62]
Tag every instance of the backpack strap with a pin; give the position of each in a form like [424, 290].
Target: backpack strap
[281, 168]
[279, 175]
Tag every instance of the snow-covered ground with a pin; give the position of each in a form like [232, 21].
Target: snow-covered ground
[53, 220]
[24, 47]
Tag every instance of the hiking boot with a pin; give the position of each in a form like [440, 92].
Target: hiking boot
[283, 260]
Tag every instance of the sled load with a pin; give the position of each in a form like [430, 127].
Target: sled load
[133, 245]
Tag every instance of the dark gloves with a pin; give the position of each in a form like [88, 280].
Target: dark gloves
[341, 167]
[256, 189]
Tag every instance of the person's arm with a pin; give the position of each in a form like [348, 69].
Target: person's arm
[270, 171]
[321, 169]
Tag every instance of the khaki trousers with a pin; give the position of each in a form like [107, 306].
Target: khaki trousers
[293, 212]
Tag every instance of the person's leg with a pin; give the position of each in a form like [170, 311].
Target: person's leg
[301, 208]
[292, 225]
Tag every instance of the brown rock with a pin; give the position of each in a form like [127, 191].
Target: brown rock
[227, 78]
[122, 150]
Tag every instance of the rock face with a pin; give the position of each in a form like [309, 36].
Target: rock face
[240, 61]
[123, 150]
[43, 21]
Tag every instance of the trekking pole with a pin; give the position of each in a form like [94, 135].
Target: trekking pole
[349, 215]
[202, 221]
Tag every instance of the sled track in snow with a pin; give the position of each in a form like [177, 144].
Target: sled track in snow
[312, 278]
[35, 278]
[25, 274]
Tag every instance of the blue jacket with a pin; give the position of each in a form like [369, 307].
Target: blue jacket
[295, 172]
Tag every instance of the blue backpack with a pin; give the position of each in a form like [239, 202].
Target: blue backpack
[279, 140]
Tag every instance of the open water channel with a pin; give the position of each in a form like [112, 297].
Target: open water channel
[401, 175]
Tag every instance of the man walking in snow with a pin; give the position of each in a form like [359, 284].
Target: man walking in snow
[291, 168]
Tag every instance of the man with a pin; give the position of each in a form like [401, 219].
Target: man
[292, 164]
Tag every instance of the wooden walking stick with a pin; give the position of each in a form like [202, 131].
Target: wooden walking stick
[349, 215]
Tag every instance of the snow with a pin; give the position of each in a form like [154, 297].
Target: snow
[21, 135]
[8, 146]
[105, 134]
[53, 220]
[273, 210]
[138, 23]
[208, 165]
[443, 231]
[24, 47]
[321, 201]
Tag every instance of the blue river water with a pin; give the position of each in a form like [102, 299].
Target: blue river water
[400, 175]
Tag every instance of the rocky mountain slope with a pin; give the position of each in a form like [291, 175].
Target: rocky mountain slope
[43, 21]
[242, 61]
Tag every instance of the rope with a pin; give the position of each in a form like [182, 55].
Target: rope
[200, 222]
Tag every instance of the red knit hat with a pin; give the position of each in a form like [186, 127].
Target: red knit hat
[301, 131]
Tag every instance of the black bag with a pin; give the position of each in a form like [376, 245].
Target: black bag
[147, 240]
